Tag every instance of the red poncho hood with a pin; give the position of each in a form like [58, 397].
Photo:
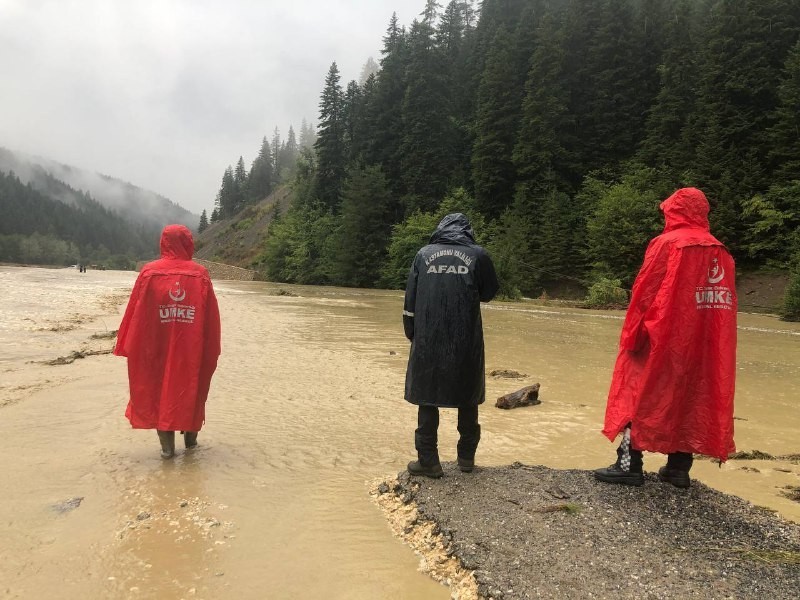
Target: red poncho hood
[688, 207]
[177, 243]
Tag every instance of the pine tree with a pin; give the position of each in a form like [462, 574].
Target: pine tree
[227, 195]
[496, 127]
[203, 222]
[364, 232]
[749, 41]
[289, 153]
[307, 135]
[241, 194]
[370, 68]
[540, 155]
[330, 146]
[386, 106]
[353, 120]
[426, 155]
[277, 165]
[665, 141]
[784, 148]
[261, 177]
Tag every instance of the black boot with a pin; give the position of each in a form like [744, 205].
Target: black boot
[190, 439]
[466, 465]
[676, 470]
[433, 471]
[167, 439]
[628, 468]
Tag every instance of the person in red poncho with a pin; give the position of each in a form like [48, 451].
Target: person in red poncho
[171, 336]
[673, 383]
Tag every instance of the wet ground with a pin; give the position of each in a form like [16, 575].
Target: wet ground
[305, 411]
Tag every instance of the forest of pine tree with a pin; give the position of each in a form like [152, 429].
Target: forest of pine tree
[58, 225]
[557, 126]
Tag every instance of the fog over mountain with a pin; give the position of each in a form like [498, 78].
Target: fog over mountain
[133, 203]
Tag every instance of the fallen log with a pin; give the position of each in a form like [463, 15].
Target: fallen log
[527, 396]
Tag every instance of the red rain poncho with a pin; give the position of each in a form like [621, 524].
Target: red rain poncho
[674, 376]
[171, 336]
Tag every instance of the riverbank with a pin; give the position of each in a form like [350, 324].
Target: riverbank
[518, 532]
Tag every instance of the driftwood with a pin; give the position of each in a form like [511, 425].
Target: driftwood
[527, 396]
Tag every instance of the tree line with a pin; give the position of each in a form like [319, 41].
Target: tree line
[48, 222]
[559, 125]
[275, 163]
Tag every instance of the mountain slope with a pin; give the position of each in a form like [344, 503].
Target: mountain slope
[135, 204]
[238, 241]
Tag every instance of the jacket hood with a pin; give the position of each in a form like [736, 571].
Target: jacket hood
[176, 242]
[453, 229]
[687, 207]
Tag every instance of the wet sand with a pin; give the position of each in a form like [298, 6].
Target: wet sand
[305, 411]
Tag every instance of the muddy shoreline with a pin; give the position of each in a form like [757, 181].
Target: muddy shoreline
[518, 531]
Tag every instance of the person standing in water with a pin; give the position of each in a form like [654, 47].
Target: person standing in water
[449, 279]
[673, 383]
[171, 336]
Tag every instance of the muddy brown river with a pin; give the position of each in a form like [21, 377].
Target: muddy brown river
[305, 411]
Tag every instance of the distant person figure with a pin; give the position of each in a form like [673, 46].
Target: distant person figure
[171, 336]
[442, 317]
[673, 384]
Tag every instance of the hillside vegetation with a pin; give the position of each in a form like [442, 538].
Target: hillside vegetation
[47, 220]
[557, 126]
[239, 239]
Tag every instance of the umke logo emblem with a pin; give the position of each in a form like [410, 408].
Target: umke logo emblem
[176, 293]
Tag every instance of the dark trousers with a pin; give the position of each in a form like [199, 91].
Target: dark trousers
[427, 434]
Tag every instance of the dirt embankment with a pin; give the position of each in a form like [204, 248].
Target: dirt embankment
[532, 532]
[238, 241]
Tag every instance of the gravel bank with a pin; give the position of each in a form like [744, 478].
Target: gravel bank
[533, 532]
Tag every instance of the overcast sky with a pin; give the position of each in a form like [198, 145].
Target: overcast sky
[166, 93]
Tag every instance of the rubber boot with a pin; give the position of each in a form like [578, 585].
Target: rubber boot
[190, 439]
[167, 439]
[677, 469]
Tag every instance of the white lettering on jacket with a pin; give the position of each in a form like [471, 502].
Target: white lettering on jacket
[176, 313]
[448, 269]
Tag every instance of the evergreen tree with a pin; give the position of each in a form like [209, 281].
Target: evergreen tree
[540, 154]
[289, 153]
[426, 155]
[370, 68]
[496, 126]
[749, 41]
[783, 136]
[353, 120]
[364, 231]
[330, 146]
[227, 195]
[665, 142]
[241, 194]
[215, 215]
[277, 165]
[203, 222]
[261, 177]
[307, 135]
[386, 106]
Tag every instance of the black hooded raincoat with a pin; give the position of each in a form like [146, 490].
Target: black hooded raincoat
[442, 317]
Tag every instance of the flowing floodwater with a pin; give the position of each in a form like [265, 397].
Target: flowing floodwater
[305, 411]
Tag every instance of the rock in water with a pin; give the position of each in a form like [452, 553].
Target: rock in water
[527, 396]
[68, 505]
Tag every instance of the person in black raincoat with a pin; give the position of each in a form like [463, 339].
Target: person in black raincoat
[442, 317]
